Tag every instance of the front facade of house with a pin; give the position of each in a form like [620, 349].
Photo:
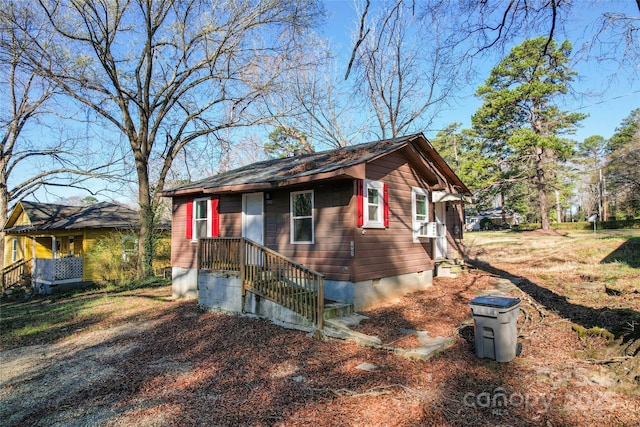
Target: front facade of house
[359, 215]
[57, 240]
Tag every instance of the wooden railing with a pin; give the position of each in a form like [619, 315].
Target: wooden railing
[267, 273]
[217, 254]
[12, 274]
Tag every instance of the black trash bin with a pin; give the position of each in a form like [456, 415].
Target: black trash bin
[495, 321]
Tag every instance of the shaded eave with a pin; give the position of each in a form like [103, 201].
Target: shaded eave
[453, 180]
[354, 172]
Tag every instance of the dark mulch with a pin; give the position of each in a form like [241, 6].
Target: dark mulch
[195, 368]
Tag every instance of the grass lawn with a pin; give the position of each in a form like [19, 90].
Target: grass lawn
[45, 319]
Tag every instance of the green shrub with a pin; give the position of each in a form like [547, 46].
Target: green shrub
[114, 258]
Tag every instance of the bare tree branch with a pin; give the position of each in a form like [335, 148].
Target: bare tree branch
[361, 36]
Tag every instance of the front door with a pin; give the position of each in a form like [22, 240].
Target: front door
[253, 217]
[441, 242]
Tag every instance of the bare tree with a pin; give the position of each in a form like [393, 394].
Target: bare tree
[405, 65]
[165, 73]
[616, 39]
[612, 36]
[313, 100]
[491, 27]
[28, 100]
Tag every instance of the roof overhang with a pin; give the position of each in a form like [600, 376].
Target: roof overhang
[352, 172]
[443, 196]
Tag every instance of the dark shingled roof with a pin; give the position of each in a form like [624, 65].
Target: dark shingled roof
[275, 170]
[100, 215]
[49, 217]
[42, 213]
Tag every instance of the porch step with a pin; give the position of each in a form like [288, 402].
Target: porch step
[449, 269]
[333, 309]
[340, 328]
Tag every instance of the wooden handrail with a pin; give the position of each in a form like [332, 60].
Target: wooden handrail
[268, 273]
[12, 273]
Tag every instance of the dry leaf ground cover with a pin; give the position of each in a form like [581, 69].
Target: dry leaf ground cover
[138, 358]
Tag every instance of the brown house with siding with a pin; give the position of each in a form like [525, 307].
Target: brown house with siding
[373, 219]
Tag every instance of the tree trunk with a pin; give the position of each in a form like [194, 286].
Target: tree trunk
[4, 211]
[502, 209]
[541, 184]
[147, 222]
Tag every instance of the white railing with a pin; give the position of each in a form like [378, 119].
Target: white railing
[53, 270]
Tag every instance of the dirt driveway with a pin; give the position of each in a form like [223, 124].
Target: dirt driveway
[180, 366]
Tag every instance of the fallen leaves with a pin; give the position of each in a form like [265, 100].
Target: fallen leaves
[188, 367]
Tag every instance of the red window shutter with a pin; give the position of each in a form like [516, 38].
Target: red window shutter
[385, 204]
[360, 201]
[215, 217]
[189, 224]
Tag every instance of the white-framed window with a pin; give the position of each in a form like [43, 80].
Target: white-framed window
[14, 250]
[201, 218]
[302, 229]
[129, 247]
[57, 248]
[373, 204]
[419, 209]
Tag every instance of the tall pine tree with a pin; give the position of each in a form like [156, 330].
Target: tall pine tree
[519, 118]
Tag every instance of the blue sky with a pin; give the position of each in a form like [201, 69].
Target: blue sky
[608, 97]
[612, 100]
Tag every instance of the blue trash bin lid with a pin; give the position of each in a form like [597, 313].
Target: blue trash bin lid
[495, 301]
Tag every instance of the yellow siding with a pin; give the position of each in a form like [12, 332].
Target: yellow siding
[23, 249]
[43, 247]
[23, 219]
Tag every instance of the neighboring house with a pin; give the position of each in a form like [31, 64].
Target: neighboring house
[50, 242]
[366, 223]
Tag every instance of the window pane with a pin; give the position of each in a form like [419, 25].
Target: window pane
[302, 217]
[201, 209]
[302, 230]
[373, 199]
[302, 204]
[372, 196]
[421, 207]
[373, 213]
[201, 228]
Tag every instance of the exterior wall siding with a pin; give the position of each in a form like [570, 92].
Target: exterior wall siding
[330, 254]
[183, 250]
[391, 251]
[230, 215]
[22, 252]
